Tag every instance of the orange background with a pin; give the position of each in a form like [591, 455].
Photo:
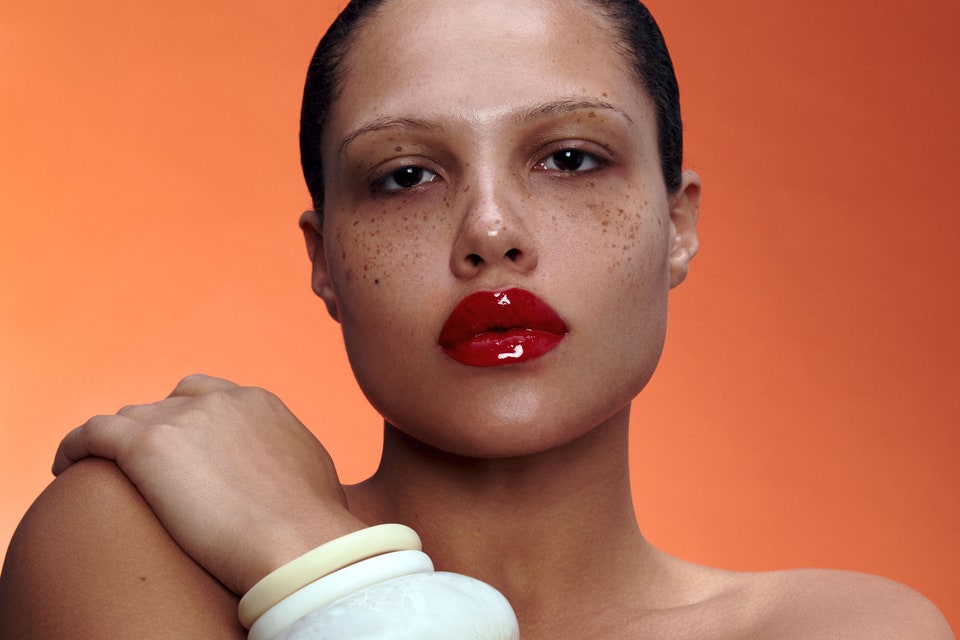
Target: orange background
[807, 407]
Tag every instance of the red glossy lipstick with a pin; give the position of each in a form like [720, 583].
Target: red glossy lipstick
[495, 328]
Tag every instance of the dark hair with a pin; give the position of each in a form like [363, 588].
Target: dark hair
[640, 42]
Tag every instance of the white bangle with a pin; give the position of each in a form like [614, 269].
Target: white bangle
[336, 585]
[420, 606]
[323, 560]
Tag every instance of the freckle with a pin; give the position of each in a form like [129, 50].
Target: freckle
[591, 115]
[143, 578]
[343, 256]
[398, 148]
[376, 281]
[604, 94]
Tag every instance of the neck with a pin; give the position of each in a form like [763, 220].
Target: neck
[537, 527]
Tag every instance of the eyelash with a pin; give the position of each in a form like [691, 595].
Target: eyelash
[417, 172]
[579, 154]
[381, 184]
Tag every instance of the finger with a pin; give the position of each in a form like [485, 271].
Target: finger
[148, 411]
[136, 411]
[199, 384]
[102, 436]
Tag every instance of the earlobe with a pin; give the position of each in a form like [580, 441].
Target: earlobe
[311, 223]
[684, 211]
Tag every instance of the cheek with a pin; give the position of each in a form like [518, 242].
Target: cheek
[626, 269]
[387, 265]
[628, 233]
[376, 251]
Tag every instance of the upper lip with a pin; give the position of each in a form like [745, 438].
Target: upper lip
[498, 311]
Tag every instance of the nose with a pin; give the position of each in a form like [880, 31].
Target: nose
[492, 235]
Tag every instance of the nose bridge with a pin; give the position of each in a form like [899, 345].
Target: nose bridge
[493, 231]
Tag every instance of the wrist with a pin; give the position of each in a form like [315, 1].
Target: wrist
[289, 540]
[374, 582]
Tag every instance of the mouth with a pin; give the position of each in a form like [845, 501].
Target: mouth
[497, 328]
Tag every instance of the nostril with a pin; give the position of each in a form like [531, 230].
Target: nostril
[474, 259]
[513, 255]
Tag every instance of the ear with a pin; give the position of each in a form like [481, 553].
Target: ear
[684, 211]
[311, 223]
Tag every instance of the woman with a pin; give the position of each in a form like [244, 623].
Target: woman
[500, 212]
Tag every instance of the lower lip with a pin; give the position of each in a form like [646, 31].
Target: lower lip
[497, 349]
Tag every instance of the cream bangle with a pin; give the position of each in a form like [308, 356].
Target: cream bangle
[325, 559]
[355, 577]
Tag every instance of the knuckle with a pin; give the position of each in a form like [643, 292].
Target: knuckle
[96, 422]
[128, 409]
[200, 383]
[191, 381]
[88, 433]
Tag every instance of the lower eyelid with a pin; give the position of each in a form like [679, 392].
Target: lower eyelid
[377, 185]
[598, 161]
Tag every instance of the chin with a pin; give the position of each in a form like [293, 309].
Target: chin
[506, 429]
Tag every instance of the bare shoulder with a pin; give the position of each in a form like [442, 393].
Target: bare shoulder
[805, 604]
[90, 560]
[842, 605]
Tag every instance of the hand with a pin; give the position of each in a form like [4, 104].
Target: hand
[233, 476]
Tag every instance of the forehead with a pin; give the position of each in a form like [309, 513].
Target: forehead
[478, 61]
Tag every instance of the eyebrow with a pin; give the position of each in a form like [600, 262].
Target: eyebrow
[543, 110]
[568, 105]
[388, 122]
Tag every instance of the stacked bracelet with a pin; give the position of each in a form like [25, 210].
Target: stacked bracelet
[374, 584]
[336, 585]
[325, 559]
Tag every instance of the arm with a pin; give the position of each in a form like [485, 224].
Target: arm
[213, 487]
[90, 560]
[235, 479]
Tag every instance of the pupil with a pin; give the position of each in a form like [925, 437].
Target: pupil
[408, 177]
[568, 159]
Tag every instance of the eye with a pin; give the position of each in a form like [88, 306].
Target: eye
[405, 178]
[569, 160]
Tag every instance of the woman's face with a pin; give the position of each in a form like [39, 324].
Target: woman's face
[468, 155]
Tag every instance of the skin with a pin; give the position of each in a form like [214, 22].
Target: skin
[515, 475]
